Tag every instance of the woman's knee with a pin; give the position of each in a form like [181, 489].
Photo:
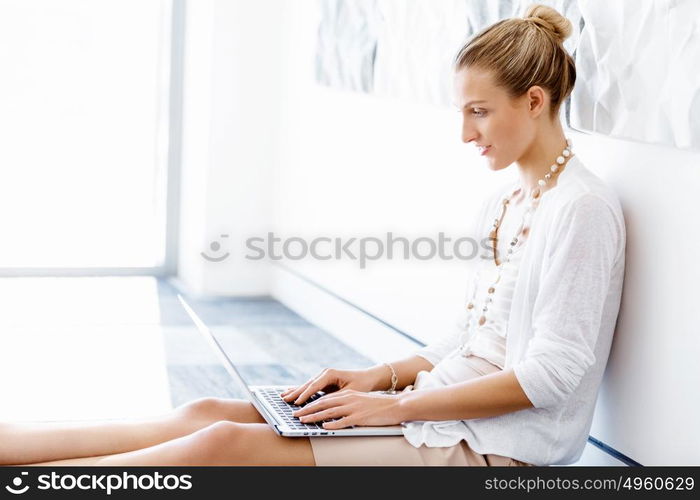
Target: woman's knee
[200, 409]
[211, 409]
[221, 438]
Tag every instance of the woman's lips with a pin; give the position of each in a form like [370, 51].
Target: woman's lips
[484, 150]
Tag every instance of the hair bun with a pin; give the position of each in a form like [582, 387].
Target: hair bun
[550, 20]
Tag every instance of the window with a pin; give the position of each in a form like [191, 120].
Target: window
[84, 128]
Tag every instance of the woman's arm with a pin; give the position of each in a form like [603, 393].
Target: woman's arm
[406, 371]
[486, 396]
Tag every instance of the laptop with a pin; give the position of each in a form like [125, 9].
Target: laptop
[275, 410]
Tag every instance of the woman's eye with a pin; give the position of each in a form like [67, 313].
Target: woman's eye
[478, 112]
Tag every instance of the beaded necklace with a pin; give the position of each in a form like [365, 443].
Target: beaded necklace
[520, 234]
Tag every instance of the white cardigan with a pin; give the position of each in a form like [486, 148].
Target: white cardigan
[561, 322]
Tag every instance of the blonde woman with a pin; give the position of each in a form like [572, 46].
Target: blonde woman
[516, 384]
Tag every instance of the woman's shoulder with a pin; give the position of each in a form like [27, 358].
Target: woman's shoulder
[582, 189]
[585, 203]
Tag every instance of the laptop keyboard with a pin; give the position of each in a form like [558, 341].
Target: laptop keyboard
[284, 410]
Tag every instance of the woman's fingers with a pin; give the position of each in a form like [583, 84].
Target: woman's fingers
[324, 403]
[293, 397]
[335, 412]
[288, 394]
[341, 423]
[312, 388]
[296, 392]
[323, 381]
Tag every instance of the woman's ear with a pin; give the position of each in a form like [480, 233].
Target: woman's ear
[536, 100]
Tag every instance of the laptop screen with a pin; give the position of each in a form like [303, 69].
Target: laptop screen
[278, 349]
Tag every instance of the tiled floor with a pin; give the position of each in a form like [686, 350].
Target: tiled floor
[87, 348]
[272, 344]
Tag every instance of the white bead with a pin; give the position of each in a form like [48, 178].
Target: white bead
[548, 176]
[560, 160]
[541, 183]
[566, 153]
[554, 168]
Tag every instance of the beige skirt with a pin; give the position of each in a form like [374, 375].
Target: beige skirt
[397, 451]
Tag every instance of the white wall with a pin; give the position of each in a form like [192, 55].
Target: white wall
[357, 165]
[232, 76]
[649, 405]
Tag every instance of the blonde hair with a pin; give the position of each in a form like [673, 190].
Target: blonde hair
[522, 52]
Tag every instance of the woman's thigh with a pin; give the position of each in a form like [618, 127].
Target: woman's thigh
[259, 444]
[223, 443]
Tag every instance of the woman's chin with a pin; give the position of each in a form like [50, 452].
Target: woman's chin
[493, 165]
[496, 165]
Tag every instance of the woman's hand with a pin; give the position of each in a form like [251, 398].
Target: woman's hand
[349, 407]
[331, 380]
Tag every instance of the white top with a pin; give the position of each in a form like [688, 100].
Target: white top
[560, 325]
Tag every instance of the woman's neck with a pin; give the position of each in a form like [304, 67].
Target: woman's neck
[538, 158]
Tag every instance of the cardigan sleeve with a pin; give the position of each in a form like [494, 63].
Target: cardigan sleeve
[458, 334]
[585, 243]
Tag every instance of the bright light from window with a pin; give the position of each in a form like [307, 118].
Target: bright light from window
[83, 130]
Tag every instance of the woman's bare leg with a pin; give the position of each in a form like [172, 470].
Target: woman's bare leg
[43, 442]
[222, 443]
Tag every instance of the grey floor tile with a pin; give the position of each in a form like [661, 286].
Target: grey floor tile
[268, 342]
[191, 382]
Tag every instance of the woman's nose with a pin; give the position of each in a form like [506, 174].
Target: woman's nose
[468, 135]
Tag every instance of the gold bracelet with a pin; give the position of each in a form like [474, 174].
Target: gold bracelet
[394, 379]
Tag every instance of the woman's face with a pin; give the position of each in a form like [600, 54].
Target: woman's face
[502, 123]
